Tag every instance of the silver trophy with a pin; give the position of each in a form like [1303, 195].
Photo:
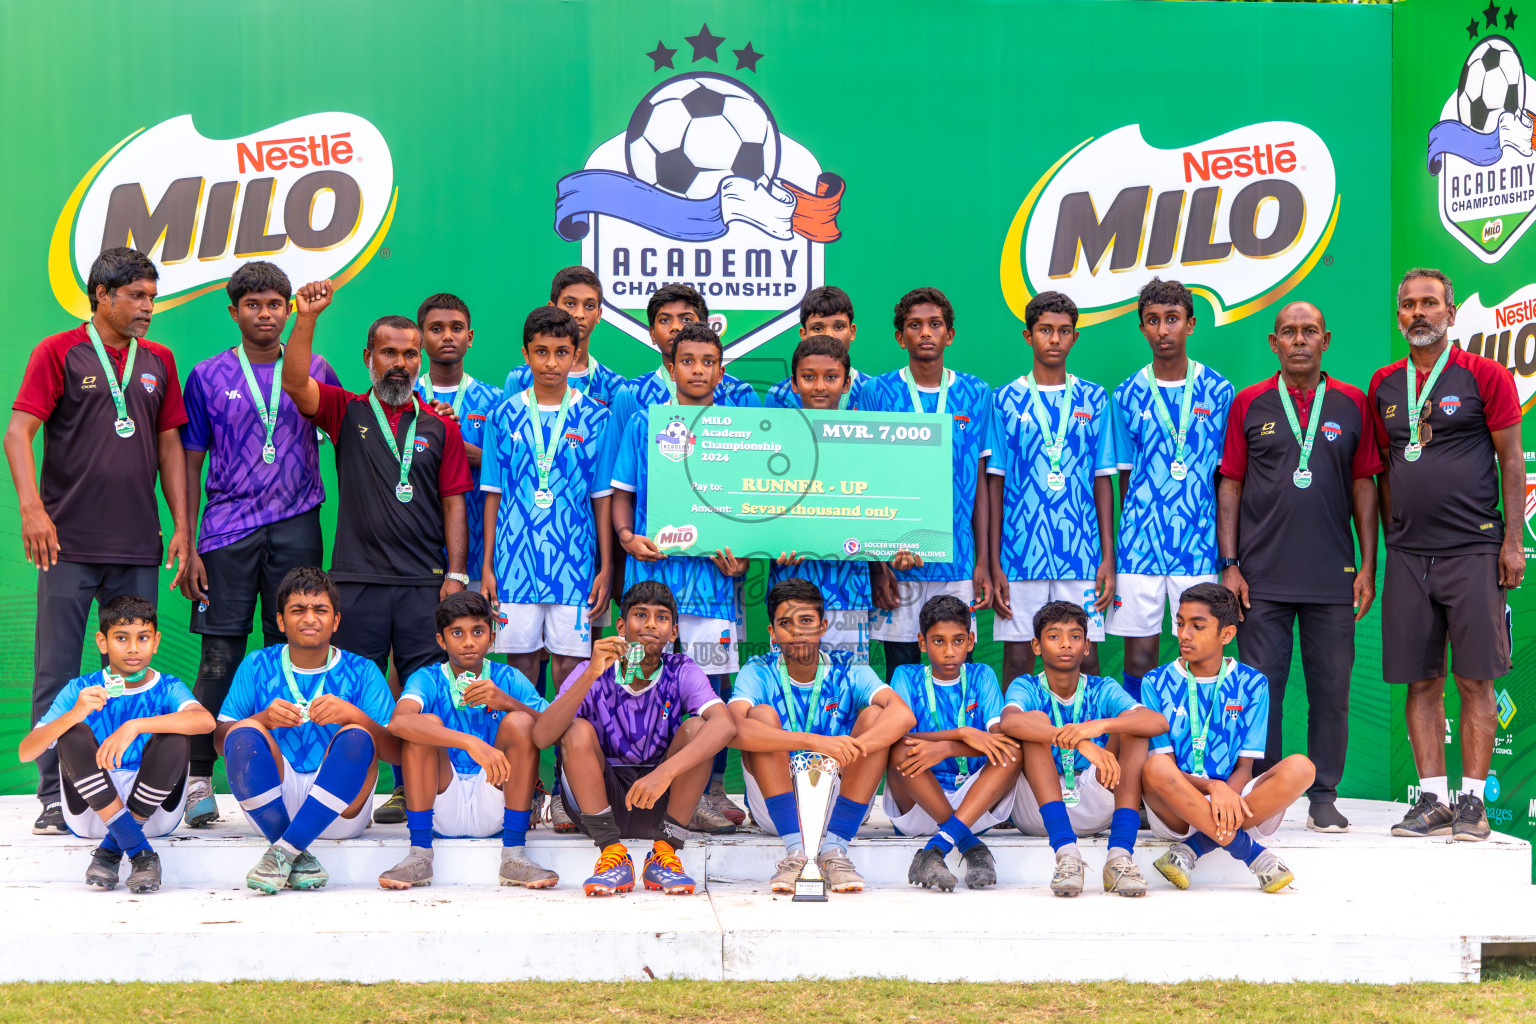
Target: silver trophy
[815, 782]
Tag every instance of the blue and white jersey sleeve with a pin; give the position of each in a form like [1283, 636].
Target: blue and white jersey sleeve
[1255, 715]
[756, 683]
[244, 698]
[627, 457]
[515, 685]
[864, 684]
[1106, 460]
[367, 689]
[67, 697]
[422, 687]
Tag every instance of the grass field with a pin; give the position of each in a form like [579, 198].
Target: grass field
[1508, 993]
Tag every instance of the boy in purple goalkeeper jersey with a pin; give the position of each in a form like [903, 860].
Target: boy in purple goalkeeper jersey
[446, 338]
[262, 513]
[631, 765]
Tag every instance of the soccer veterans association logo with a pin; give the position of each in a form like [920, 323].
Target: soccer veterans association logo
[318, 189]
[703, 188]
[1241, 218]
[1483, 148]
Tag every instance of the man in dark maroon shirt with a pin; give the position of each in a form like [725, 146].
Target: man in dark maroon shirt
[109, 404]
[401, 471]
[1296, 472]
[1441, 416]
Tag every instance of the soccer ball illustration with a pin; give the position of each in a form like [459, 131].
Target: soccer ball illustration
[692, 132]
[1492, 81]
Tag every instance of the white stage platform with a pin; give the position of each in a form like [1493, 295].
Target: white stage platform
[1366, 907]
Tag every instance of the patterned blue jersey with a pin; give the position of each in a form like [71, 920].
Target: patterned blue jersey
[1237, 713]
[162, 695]
[259, 681]
[428, 687]
[983, 705]
[1168, 526]
[650, 389]
[969, 401]
[783, 395]
[1046, 534]
[846, 689]
[474, 414]
[1105, 699]
[698, 587]
[598, 383]
[547, 555]
[844, 583]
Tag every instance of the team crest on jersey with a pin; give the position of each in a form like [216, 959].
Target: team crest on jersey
[1233, 709]
[1332, 430]
[574, 438]
[1449, 404]
[831, 707]
[962, 421]
[1201, 410]
[472, 417]
[676, 441]
[1082, 414]
[422, 444]
[149, 381]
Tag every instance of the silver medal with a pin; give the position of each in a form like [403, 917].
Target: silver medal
[124, 427]
[404, 492]
[1056, 481]
[1302, 478]
[543, 499]
[1413, 451]
[268, 454]
[1178, 470]
[1070, 797]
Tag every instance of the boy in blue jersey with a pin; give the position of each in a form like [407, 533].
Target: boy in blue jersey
[546, 481]
[952, 777]
[302, 732]
[1170, 419]
[824, 311]
[925, 327]
[1052, 490]
[122, 737]
[466, 734]
[671, 308]
[446, 337]
[801, 698]
[1199, 782]
[1085, 741]
[579, 292]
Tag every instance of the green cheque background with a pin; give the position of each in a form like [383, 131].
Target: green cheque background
[939, 116]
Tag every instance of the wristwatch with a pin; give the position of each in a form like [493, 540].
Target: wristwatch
[461, 578]
[1223, 564]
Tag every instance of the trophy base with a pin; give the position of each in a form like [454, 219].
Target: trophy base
[810, 890]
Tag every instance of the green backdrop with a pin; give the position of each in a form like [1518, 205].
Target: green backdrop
[951, 125]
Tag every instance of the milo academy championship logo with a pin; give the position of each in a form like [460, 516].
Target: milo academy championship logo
[701, 187]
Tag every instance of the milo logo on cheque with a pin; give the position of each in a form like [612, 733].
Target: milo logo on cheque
[680, 537]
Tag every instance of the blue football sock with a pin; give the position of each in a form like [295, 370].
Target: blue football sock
[786, 819]
[254, 780]
[336, 785]
[399, 774]
[1244, 848]
[958, 833]
[125, 828]
[1123, 827]
[420, 825]
[110, 844]
[1201, 843]
[1058, 827]
[1132, 687]
[847, 816]
[514, 827]
[939, 842]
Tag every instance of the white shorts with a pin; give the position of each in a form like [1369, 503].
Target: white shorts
[470, 808]
[295, 787]
[759, 806]
[556, 628]
[918, 822]
[1137, 609]
[710, 642]
[90, 826]
[848, 630]
[899, 624]
[1262, 830]
[1094, 812]
[1026, 597]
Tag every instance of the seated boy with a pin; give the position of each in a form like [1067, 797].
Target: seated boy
[122, 736]
[467, 743]
[630, 765]
[301, 733]
[951, 778]
[1106, 731]
[1201, 792]
[800, 698]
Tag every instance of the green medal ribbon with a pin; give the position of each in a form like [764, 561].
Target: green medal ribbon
[813, 708]
[465, 382]
[945, 380]
[544, 457]
[115, 684]
[629, 668]
[666, 378]
[1068, 757]
[266, 410]
[1416, 400]
[124, 424]
[961, 717]
[1200, 729]
[297, 695]
[1303, 476]
[457, 684]
[1055, 446]
[1178, 469]
[403, 490]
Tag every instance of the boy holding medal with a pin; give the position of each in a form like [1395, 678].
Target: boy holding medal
[1085, 742]
[122, 741]
[950, 777]
[1200, 788]
[798, 697]
[546, 479]
[1170, 418]
[466, 732]
[631, 765]
[302, 732]
[1052, 491]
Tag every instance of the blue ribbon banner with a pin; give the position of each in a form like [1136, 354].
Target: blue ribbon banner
[612, 193]
[1456, 138]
